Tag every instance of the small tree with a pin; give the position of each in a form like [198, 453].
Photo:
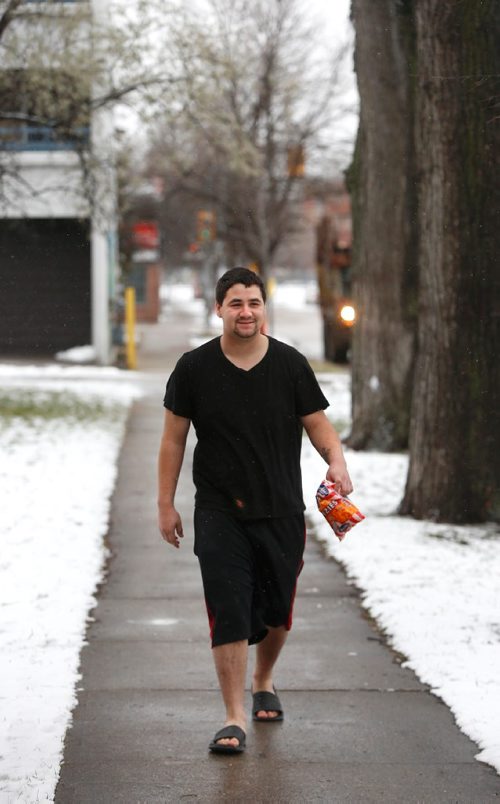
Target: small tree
[60, 64]
[252, 99]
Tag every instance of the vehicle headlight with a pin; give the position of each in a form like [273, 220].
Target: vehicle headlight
[348, 315]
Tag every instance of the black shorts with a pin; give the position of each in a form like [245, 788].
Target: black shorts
[249, 570]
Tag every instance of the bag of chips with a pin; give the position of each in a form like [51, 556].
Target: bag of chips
[340, 513]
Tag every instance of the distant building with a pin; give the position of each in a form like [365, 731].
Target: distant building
[142, 248]
[58, 241]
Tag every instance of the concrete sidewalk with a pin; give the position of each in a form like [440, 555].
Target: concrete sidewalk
[358, 727]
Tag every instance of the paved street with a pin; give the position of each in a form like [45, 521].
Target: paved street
[355, 731]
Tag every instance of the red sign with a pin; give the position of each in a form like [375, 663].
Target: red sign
[145, 235]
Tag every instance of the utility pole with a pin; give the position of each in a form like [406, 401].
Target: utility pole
[206, 231]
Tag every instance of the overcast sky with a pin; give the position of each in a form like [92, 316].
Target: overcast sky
[335, 14]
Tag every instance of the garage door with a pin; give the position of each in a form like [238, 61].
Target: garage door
[44, 285]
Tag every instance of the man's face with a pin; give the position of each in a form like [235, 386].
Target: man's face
[242, 311]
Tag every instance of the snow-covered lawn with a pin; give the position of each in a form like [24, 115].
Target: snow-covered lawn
[60, 433]
[434, 589]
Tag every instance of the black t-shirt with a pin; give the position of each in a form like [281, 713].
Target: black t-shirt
[247, 459]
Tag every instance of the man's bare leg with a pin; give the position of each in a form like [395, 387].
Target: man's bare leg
[267, 652]
[231, 666]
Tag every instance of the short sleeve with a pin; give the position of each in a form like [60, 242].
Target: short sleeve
[309, 397]
[178, 396]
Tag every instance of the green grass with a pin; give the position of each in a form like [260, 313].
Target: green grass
[31, 405]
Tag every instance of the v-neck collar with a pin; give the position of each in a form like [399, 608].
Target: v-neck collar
[239, 368]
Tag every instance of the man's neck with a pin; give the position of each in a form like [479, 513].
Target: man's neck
[244, 352]
[231, 344]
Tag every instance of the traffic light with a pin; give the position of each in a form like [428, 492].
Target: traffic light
[205, 225]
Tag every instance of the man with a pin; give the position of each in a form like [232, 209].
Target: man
[249, 396]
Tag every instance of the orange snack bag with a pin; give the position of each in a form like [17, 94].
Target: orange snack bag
[340, 513]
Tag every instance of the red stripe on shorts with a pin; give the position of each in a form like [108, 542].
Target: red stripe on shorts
[211, 620]
[290, 613]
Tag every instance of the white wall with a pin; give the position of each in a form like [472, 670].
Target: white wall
[42, 184]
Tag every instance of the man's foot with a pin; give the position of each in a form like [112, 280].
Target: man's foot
[229, 740]
[266, 706]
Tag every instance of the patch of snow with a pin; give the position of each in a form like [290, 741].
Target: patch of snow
[57, 476]
[78, 354]
[432, 588]
[293, 295]
[51, 371]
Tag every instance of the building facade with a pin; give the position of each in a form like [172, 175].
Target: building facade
[58, 223]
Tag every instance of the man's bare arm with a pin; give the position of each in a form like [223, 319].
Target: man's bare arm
[171, 455]
[325, 439]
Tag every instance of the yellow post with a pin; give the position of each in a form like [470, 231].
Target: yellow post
[271, 286]
[130, 327]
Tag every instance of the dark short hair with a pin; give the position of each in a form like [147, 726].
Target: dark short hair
[238, 276]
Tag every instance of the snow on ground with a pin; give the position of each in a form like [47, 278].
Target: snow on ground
[59, 440]
[181, 295]
[295, 295]
[78, 354]
[11, 374]
[432, 588]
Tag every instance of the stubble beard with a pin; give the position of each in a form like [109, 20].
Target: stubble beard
[250, 333]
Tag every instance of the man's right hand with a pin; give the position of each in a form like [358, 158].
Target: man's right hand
[170, 525]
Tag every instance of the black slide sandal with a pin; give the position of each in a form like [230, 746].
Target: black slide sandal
[228, 731]
[267, 702]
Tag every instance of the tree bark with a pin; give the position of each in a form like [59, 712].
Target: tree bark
[381, 181]
[454, 452]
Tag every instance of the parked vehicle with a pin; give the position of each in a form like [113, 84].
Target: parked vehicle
[334, 279]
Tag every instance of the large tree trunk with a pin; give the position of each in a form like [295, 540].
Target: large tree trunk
[454, 450]
[381, 182]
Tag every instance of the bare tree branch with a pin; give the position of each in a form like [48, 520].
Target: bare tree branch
[8, 15]
[252, 89]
